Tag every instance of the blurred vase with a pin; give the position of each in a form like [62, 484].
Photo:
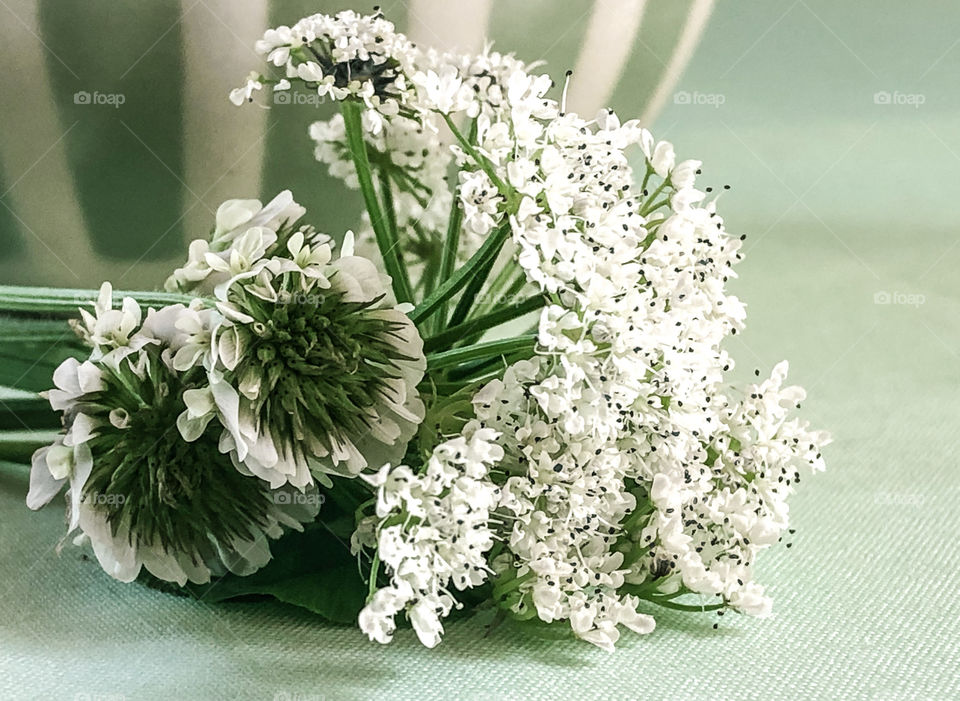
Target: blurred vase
[119, 143]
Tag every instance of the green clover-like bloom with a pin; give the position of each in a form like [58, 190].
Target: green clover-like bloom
[324, 368]
[147, 487]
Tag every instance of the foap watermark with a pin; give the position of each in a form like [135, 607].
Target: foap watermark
[897, 98]
[706, 99]
[898, 499]
[97, 98]
[297, 696]
[302, 298]
[100, 499]
[286, 498]
[906, 299]
[499, 298]
[97, 696]
[292, 97]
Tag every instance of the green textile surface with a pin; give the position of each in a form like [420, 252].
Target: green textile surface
[850, 274]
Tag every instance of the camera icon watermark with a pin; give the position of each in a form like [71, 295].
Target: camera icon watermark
[897, 98]
[707, 99]
[906, 299]
[309, 299]
[97, 98]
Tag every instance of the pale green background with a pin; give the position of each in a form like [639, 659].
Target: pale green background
[844, 201]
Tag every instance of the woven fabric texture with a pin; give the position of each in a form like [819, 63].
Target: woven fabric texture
[850, 210]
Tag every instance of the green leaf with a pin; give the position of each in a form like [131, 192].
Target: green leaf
[336, 594]
[481, 324]
[487, 252]
[30, 366]
[482, 351]
[25, 410]
[313, 570]
[18, 446]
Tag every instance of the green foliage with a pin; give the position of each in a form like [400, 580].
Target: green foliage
[313, 570]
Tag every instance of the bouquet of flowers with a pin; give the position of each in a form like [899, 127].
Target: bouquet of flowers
[507, 390]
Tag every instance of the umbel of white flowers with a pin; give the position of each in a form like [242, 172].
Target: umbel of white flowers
[615, 468]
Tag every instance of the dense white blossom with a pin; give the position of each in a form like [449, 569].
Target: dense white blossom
[433, 533]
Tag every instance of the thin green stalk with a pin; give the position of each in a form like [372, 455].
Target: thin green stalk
[646, 178]
[63, 302]
[488, 251]
[499, 589]
[478, 158]
[483, 323]
[502, 281]
[450, 246]
[386, 240]
[490, 349]
[389, 210]
[474, 382]
[684, 607]
[451, 242]
[374, 572]
[469, 296]
[654, 207]
[429, 279]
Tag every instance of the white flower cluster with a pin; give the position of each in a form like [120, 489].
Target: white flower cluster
[343, 55]
[348, 56]
[593, 467]
[198, 431]
[636, 467]
[433, 533]
[286, 306]
[631, 471]
[127, 471]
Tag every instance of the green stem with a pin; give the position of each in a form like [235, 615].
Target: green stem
[20, 329]
[478, 158]
[450, 245]
[685, 607]
[500, 589]
[491, 349]
[63, 302]
[390, 212]
[487, 252]
[451, 242]
[483, 323]
[374, 572]
[387, 243]
[469, 296]
[504, 281]
[646, 178]
[654, 207]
